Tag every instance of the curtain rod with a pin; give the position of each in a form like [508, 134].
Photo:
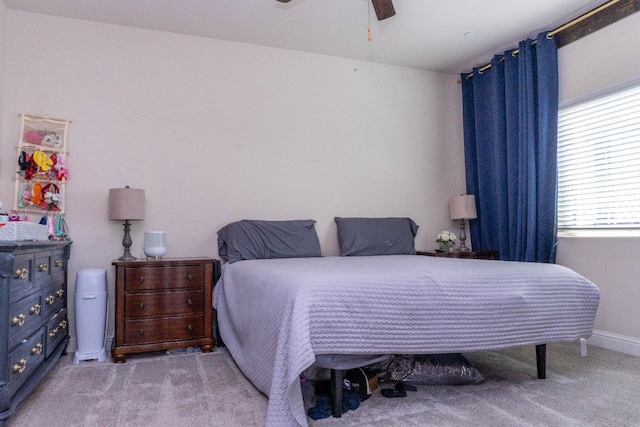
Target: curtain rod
[556, 31]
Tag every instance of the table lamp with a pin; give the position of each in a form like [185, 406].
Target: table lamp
[462, 208]
[126, 204]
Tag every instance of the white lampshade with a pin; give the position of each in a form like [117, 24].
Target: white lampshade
[155, 244]
[463, 207]
[126, 204]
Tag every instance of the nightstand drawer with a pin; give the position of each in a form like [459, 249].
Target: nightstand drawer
[164, 304]
[178, 277]
[163, 329]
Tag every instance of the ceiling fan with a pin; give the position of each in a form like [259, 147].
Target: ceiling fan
[384, 8]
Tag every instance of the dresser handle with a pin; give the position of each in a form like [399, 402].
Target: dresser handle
[59, 263]
[141, 279]
[50, 299]
[141, 305]
[18, 320]
[20, 366]
[189, 328]
[60, 292]
[37, 349]
[54, 331]
[189, 276]
[22, 273]
[189, 301]
[35, 309]
[44, 266]
[141, 331]
[63, 324]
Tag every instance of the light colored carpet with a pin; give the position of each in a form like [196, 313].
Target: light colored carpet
[195, 389]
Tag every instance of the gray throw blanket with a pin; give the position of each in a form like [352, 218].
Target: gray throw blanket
[276, 315]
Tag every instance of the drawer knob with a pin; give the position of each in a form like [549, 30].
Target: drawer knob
[189, 328]
[54, 332]
[189, 276]
[189, 301]
[141, 331]
[22, 273]
[20, 366]
[37, 349]
[141, 279]
[43, 266]
[63, 324]
[18, 320]
[60, 292]
[141, 305]
[35, 309]
[50, 299]
[59, 263]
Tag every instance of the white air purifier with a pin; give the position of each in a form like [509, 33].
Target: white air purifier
[91, 314]
[155, 244]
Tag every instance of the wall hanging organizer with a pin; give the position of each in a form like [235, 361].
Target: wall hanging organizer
[42, 170]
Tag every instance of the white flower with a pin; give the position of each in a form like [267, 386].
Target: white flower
[446, 237]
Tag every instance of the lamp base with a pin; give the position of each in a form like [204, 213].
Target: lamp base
[463, 237]
[127, 257]
[126, 242]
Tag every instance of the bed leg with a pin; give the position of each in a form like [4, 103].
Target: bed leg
[541, 360]
[337, 376]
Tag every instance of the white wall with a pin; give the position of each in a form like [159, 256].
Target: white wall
[604, 59]
[3, 25]
[216, 131]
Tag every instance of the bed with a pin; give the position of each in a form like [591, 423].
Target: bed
[280, 314]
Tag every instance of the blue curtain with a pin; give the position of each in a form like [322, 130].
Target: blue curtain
[510, 114]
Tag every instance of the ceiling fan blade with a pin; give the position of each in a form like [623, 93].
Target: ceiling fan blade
[384, 9]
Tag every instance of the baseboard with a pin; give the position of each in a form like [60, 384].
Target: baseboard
[621, 343]
[608, 340]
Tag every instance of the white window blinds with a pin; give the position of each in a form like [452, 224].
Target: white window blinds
[599, 162]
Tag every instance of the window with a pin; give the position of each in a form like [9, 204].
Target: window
[599, 162]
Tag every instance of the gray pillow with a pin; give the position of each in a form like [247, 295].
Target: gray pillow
[254, 239]
[376, 236]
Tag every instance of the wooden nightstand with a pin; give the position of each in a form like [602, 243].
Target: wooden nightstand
[163, 304]
[460, 254]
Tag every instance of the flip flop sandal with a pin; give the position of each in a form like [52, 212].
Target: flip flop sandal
[392, 392]
[405, 387]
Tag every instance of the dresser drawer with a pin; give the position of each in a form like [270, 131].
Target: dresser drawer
[163, 329]
[43, 267]
[178, 277]
[57, 266]
[22, 280]
[55, 296]
[163, 304]
[25, 359]
[25, 317]
[55, 331]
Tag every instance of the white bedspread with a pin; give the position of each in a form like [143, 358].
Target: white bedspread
[276, 315]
